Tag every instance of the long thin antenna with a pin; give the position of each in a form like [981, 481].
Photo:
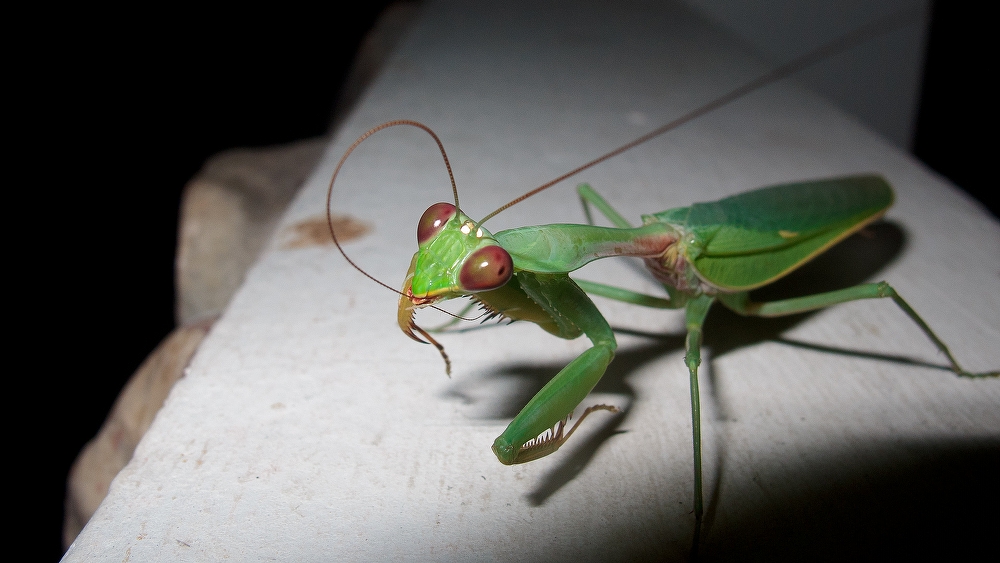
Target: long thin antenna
[329, 196]
[842, 43]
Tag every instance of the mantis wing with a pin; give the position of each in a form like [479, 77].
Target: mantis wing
[751, 239]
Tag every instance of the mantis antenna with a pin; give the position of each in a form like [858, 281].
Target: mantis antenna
[842, 43]
[329, 196]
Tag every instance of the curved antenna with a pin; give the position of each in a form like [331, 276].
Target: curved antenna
[329, 196]
[839, 44]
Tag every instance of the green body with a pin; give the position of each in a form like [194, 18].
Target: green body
[701, 253]
[751, 239]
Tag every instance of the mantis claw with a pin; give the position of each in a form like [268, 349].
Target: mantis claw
[408, 304]
[408, 325]
[547, 442]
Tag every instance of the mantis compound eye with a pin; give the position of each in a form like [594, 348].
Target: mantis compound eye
[487, 268]
[433, 220]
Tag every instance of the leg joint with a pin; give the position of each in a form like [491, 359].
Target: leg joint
[885, 290]
[692, 361]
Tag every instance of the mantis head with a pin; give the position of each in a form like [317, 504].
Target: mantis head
[455, 258]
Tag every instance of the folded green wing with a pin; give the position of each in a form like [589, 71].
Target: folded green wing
[751, 239]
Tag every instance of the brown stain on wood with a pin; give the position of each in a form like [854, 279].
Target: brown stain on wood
[315, 231]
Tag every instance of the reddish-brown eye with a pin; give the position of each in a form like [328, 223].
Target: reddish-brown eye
[433, 220]
[487, 268]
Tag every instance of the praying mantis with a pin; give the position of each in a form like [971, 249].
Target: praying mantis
[701, 254]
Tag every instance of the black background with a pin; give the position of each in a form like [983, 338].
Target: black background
[129, 113]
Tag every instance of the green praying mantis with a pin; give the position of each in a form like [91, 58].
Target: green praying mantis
[701, 254]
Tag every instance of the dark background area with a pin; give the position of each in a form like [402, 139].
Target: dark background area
[135, 111]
